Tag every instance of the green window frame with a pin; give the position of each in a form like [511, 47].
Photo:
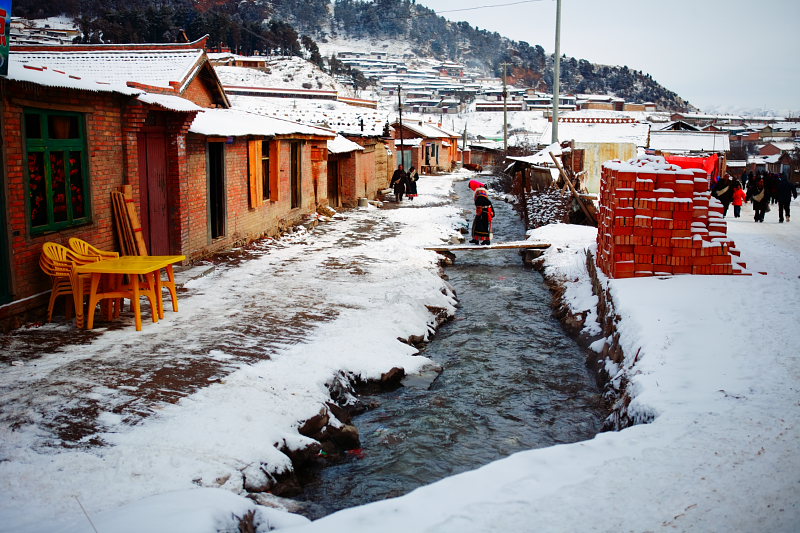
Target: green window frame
[56, 170]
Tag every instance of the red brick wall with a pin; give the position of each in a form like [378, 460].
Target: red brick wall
[106, 160]
[243, 223]
[199, 93]
[196, 206]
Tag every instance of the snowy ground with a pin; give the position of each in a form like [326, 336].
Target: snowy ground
[717, 368]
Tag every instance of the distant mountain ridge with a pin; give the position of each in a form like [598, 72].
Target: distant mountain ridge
[294, 26]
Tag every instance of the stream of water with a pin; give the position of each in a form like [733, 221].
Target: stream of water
[512, 380]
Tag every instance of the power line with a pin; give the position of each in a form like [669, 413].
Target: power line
[487, 6]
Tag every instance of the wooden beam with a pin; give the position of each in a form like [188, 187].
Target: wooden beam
[572, 188]
[515, 245]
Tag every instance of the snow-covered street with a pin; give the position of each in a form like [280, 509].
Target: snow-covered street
[713, 364]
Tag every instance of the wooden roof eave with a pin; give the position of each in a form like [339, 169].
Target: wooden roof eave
[304, 137]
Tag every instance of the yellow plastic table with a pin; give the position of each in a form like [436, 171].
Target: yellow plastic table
[133, 266]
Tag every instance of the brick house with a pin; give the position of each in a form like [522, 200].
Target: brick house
[251, 176]
[348, 172]
[436, 151]
[79, 122]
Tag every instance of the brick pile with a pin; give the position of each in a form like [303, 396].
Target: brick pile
[659, 219]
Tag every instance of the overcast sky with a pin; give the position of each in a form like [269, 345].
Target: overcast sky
[720, 55]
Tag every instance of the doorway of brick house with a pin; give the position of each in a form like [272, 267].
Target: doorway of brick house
[296, 174]
[333, 182]
[155, 202]
[216, 189]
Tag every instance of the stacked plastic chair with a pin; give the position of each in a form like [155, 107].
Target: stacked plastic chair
[59, 262]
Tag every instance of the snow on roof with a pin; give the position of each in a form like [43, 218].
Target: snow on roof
[331, 114]
[540, 157]
[173, 103]
[735, 164]
[18, 71]
[340, 145]
[669, 126]
[428, 131]
[786, 146]
[238, 123]
[407, 142]
[764, 159]
[785, 126]
[152, 67]
[288, 73]
[689, 141]
[634, 132]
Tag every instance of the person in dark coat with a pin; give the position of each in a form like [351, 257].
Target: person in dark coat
[411, 184]
[771, 183]
[398, 183]
[484, 214]
[757, 193]
[723, 191]
[746, 177]
[786, 191]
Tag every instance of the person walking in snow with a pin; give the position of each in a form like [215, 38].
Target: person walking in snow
[771, 184]
[484, 214]
[723, 191]
[739, 197]
[411, 184]
[786, 190]
[757, 193]
[398, 183]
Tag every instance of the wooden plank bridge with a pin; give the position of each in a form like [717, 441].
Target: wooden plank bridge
[512, 245]
[530, 249]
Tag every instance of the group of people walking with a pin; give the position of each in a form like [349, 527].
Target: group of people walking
[761, 189]
[404, 183]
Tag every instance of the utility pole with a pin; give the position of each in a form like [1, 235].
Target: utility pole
[464, 143]
[556, 73]
[505, 109]
[400, 110]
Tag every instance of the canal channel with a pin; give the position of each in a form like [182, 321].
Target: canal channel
[512, 380]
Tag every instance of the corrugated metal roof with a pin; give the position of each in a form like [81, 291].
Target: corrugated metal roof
[151, 67]
[237, 123]
[48, 77]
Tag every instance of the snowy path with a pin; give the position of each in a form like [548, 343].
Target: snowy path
[210, 392]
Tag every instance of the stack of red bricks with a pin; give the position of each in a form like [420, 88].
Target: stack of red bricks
[658, 219]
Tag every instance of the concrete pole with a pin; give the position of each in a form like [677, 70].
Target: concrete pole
[505, 110]
[400, 110]
[556, 73]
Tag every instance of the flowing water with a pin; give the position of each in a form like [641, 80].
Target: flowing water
[512, 380]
